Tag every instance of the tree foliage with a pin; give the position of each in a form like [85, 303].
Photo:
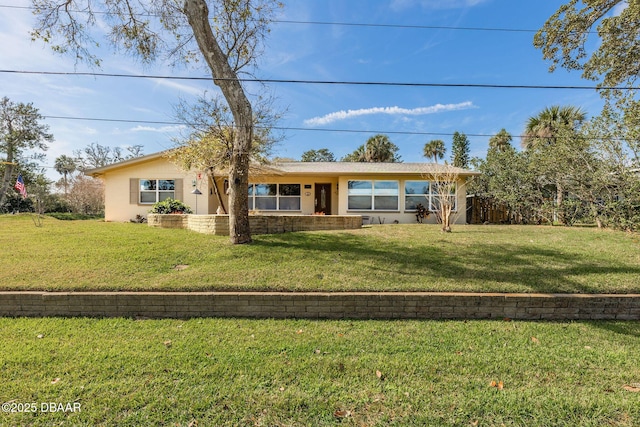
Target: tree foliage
[434, 149]
[320, 155]
[501, 141]
[377, 149]
[600, 38]
[460, 150]
[65, 166]
[588, 166]
[23, 139]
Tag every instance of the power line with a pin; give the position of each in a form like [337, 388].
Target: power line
[289, 128]
[174, 123]
[329, 82]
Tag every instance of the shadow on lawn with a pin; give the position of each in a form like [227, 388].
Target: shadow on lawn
[622, 327]
[514, 267]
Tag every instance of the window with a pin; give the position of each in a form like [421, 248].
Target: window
[373, 195]
[416, 192]
[156, 190]
[446, 187]
[274, 197]
[426, 193]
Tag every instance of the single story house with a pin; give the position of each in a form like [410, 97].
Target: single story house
[379, 192]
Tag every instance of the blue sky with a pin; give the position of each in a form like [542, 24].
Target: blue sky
[297, 51]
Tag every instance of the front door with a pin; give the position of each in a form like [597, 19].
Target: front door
[322, 199]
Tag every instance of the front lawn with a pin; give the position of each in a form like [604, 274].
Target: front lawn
[229, 372]
[93, 255]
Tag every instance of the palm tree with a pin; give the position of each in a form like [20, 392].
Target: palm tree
[501, 141]
[434, 148]
[378, 149]
[545, 128]
[65, 165]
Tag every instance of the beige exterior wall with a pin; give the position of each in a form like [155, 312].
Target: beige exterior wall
[123, 205]
[401, 215]
[118, 206]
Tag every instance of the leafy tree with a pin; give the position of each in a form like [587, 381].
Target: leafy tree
[612, 27]
[548, 133]
[545, 127]
[321, 155]
[228, 42]
[614, 61]
[357, 156]
[434, 149]
[20, 131]
[617, 180]
[378, 149]
[501, 141]
[460, 150]
[65, 166]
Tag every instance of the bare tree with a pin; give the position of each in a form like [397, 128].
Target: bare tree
[446, 182]
[228, 41]
[208, 147]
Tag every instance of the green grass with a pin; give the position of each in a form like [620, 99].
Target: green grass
[94, 255]
[299, 373]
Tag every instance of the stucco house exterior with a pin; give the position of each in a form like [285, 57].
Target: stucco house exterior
[379, 192]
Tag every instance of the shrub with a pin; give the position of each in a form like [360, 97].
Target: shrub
[69, 216]
[170, 206]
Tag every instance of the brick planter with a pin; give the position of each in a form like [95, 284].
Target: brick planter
[259, 224]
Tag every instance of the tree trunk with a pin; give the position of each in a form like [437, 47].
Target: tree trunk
[216, 190]
[559, 201]
[226, 78]
[6, 179]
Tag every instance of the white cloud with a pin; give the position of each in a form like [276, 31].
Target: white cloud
[161, 129]
[343, 115]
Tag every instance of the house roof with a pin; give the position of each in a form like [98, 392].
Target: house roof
[315, 168]
[125, 163]
[365, 168]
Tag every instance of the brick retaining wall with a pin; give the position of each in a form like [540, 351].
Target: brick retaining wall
[259, 224]
[394, 305]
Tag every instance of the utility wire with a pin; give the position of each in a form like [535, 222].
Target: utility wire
[289, 128]
[173, 123]
[329, 82]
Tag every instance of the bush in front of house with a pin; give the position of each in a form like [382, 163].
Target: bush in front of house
[170, 206]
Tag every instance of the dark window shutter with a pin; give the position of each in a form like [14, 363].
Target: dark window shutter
[134, 185]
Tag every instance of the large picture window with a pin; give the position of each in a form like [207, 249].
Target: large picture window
[426, 194]
[156, 190]
[373, 195]
[274, 197]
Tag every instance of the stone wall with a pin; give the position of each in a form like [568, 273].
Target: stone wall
[260, 224]
[355, 305]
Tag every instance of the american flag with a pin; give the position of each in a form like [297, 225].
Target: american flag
[20, 186]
